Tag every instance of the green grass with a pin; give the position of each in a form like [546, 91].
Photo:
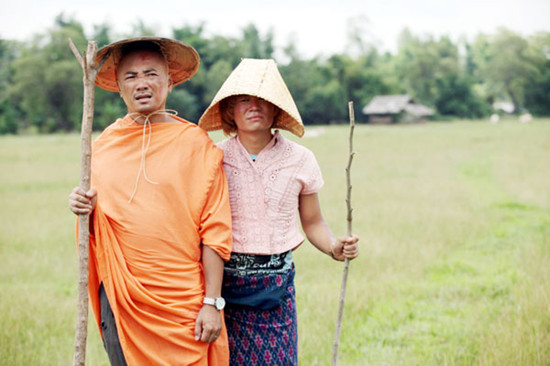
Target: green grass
[454, 221]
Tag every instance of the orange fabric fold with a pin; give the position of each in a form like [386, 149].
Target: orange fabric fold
[147, 252]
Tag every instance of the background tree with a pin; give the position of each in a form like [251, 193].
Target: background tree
[506, 65]
[40, 83]
[435, 74]
[457, 97]
[415, 64]
[537, 93]
[366, 78]
[455, 88]
[420, 63]
[301, 76]
[46, 80]
[9, 115]
[252, 44]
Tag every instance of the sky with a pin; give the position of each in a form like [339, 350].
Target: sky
[317, 27]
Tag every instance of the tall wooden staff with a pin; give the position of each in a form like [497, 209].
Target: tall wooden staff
[90, 69]
[349, 219]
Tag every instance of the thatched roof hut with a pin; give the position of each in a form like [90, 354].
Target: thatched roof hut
[396, 108]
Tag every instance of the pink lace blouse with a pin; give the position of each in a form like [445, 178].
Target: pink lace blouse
[264, 193]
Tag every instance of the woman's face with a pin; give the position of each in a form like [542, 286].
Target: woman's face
[253, 114]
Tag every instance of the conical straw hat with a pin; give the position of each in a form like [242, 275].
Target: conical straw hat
[259, 78]
[183, 61]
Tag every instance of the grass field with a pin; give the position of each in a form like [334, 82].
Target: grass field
[454, 221]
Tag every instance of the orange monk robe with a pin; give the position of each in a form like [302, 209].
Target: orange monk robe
[147, 252]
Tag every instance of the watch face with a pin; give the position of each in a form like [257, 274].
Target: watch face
[220, 303]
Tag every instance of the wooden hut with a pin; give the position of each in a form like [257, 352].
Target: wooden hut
[396, 108]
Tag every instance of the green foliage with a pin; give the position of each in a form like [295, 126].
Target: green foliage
[423, 65]
[253, 46]
[41, 83]
[456, 97]
[324, 103]
[102, 34]
[8, 113]
[184, 103]
[8, 118]
[505, 64]
[301, 78]
[47, 80]
[537, 94]
[194, 37]
[110, 110]
[215, 77]
[365, 79]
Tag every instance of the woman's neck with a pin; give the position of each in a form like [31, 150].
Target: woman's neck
[254, 142]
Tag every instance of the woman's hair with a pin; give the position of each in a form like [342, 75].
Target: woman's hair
[227, 106]
[229, 126]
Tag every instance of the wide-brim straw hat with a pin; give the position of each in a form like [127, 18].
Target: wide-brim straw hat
[183, 61]
[259, 78]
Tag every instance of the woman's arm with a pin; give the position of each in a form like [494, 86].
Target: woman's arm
[319, 234]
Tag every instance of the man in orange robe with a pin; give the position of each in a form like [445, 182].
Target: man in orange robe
[161, 226]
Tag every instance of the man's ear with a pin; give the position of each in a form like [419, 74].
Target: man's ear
[170, 84]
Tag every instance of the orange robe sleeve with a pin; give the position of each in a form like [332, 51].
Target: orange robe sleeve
[216, 217]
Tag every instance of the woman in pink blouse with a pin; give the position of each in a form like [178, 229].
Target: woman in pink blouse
[272, 181]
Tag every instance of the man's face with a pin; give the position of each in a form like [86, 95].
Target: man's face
[144, 81]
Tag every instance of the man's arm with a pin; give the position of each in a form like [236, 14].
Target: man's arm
[209, 321]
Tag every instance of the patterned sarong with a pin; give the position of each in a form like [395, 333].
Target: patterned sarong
[258, 336]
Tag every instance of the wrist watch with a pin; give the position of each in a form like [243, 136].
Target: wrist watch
[218, 302]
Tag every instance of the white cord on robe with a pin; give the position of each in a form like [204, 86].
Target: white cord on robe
[144, 147]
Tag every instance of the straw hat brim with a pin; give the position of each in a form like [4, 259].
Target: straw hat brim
[183, 61]
[259, 78]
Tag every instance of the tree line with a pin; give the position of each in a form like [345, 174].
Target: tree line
[41, 82]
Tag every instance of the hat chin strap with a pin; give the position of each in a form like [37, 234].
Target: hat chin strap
[145, 146]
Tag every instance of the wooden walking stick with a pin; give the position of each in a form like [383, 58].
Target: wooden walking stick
[90, 69]
[349, 219]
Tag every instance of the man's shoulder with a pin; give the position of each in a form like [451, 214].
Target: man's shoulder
[194, 133]
[195, 140]
[108, 130]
